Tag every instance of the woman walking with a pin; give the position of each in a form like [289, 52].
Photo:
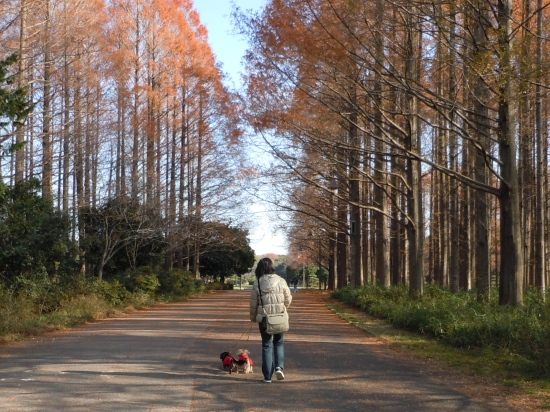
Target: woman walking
[270, 295]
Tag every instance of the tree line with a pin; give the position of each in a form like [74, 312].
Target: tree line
[411, 138]
[132, 138]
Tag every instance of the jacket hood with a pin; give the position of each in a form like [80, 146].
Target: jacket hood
[268, 282]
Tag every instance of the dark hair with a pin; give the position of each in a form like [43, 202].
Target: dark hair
[265, 267]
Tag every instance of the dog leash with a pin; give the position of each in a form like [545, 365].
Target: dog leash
[240, 338]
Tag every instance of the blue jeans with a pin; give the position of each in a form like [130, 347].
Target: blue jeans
[273, 352]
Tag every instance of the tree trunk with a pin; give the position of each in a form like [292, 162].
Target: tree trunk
[453, 161]
[481, 119]
[78, 148]
[150, 177]
[414, 192]
[464, 234]
[66, 154]
[183, 175]
[540, 245]
[198, 192]
[20, 131]
[342, 238]
[511, 265]
[172, 195]
[396, 231]
[78, 170]
[47, 151]
[382, 232]
[332, 263]
[135, 116]
[356, 275]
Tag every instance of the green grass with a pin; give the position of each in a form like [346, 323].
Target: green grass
[461, 321]
[508, 345]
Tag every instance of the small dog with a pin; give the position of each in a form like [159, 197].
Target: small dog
[241, 364]
[229, 363]
[244, 362]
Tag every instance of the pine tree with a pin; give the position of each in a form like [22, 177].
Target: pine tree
[14, 106]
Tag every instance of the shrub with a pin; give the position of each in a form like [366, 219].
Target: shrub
[177, 282]
[13, 311]
[460, 320]
[113, 292]
[31, 305]
[83, 308]
[39, 289]
[199, 285]
[147, 283]
[143, 279]
[218, 286]
[139, 299]
[35, 238]
[313, 281]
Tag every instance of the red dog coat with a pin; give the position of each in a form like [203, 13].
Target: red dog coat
[244, 356]
[227, 361]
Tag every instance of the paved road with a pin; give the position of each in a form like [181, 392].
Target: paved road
[167, 359]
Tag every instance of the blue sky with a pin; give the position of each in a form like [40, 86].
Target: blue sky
[229, 49]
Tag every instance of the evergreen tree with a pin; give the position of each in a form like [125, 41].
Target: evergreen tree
[14, 105]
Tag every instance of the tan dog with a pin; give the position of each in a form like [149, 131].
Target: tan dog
[244, 362]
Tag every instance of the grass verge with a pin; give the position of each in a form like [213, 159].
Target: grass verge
[495, 366]
[22, 318]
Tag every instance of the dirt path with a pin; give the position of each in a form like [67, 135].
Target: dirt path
[167, 359]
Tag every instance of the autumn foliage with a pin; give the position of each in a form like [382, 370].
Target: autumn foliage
[129, 105]
[411, 137]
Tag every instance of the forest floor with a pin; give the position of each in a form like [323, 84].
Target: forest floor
[167, 358]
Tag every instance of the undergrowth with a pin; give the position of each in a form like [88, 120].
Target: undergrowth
[462, 321]
[31, 306]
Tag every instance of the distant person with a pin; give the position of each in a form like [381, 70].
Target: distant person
[295, 284]
[275, 296]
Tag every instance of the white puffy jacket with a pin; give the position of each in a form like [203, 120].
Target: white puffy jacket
[275, 296]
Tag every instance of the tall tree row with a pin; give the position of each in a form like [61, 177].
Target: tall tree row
[129, 106]
[420, 131]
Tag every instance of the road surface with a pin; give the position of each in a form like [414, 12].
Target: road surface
[167, 359]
